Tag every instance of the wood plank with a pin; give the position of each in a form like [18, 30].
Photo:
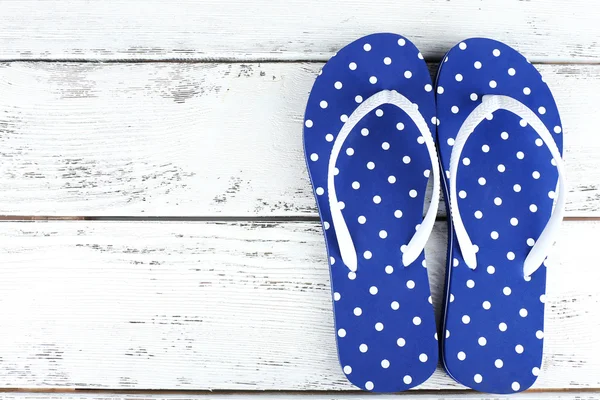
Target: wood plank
[240, 306]
[199, 139]
[290, 30]
[415, 395]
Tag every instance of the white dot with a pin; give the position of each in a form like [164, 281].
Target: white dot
[493, 84]
[350, 151]
[389, 269]
[535, 371]
[494, 235]
[539, 142]
[320, 191]
[434, 121]
[426, 173]
[450, 141]
[364, 131]
[358, 99]
[367, 47]
[461, 355]
[496, 52]
[371, 165]
[383, 234]
[410, 284]
[507, 291]
[314, 156]
[557, 129]
[401, 342]
[551, 194]
[373, 80]
[526, 91]
[343, 118]
[395, 305]
[373, 290]
[412, 193]
[466, 319]
[542, 110]
[338, 85]
[482, 341]
[486, 305]
[423, 357]
[308, 123]
[447, 333]
[543, 298]
[485, 148]
[352, 275]
[417, 321]
[337, 296]
[504, 135]
[489, 117]
[478, 378]
[462, 194]
[401, 42]
[369, 385]
[523, 312]
[385, 363]
[347, 370]
[523, 123]
[323, 104]
[428, 88]
[517, 188]
[477, 65]
[474, 96]
[458, 77]
[420, 140]
[478, 214]
[481, 181]
[466, 161]
[352, 66]
[407, 74]
[502, 326]
[498, 363]
[363, 348]
[462, 45]
[358, 311]
[329, 137]
[535, 175]
[430, 300]
[420, 56]
[355, 185]
[341, 332]
[341, 205]
[379, 327]
[497, 201]
[387, 61]
[514, 221]
[512, 72]
[519, 348]
[331, 260]
[451, 298]
[379, 113]
[440, 89]
[362, 219]
[470, 283]
[376, 199]
[407, 379]
[515, 386]
[454, 109]
[367, 255]
[398, 214]
[533, 208]
[406, 159]
[400, 126]
[455, 262]
[539, 334]
[510, 255]
[520, 155]
[491, 269]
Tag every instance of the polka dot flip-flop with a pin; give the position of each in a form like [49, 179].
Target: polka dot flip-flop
[370, 150]
[500, 144]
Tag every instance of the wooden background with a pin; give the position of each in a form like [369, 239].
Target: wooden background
[159, 239]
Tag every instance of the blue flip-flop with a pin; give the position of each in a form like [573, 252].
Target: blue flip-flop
[500, 145]
[369, 150]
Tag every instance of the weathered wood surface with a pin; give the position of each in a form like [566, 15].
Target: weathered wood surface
[198, 305]
[200, 139]
[545, 30]
[299, 396]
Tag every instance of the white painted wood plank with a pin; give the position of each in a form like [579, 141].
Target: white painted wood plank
[414, 395]
[544, 30]
[199, 139]
[224, 306]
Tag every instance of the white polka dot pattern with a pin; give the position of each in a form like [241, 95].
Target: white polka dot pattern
[505, 207]
[382, 309]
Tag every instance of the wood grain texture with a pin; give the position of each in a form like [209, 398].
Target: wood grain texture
[224, 306]
[299, 396]
[168, 139]
[544, 30]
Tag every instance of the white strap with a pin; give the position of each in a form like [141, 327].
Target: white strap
[489, 105]
[344, 239]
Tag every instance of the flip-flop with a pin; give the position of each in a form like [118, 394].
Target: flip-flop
[500, 144]
[369, 150]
